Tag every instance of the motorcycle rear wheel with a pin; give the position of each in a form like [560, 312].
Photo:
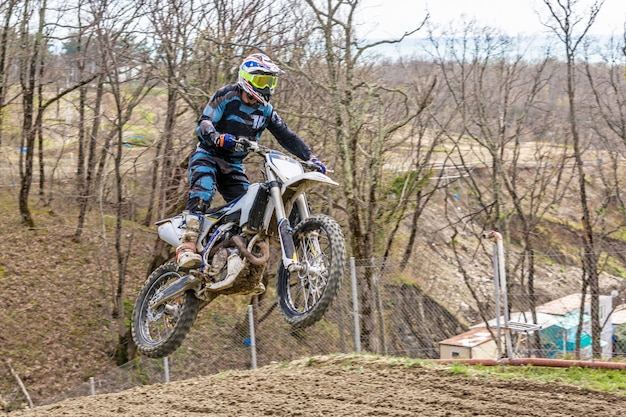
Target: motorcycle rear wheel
[160, 331]
[304, 297]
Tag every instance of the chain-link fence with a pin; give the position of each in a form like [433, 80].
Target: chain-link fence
[373, 312]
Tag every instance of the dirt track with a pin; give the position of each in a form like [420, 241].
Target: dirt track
[342, 387]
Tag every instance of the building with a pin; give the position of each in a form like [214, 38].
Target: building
[559, 339]
[618, 320]
[476, 343]
[557, 323]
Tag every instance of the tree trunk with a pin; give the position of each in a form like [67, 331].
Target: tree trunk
[88, 184]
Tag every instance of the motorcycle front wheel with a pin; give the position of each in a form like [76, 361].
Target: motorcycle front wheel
[304, 296]
[159, 331]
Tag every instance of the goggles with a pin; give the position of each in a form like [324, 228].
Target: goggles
[260, 81]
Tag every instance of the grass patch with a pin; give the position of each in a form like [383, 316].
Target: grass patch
[607, 380]
[612, 266]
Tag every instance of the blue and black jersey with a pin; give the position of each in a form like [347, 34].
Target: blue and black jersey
[227, 113]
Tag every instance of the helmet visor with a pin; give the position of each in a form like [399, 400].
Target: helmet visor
[260, 81]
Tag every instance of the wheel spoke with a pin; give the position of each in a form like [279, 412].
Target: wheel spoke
[304, 295]
[310, 282]
[159, 331]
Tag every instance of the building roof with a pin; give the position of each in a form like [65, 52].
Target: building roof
[543, 319]
[471, 338]
[564, 305]
[570, 321]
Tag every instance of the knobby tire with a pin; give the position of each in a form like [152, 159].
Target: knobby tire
[176, 327]
[297, 305]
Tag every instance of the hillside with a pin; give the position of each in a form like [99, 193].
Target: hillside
[56, 329]
[54, 325]
[343, 386]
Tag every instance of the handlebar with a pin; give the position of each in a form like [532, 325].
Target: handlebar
[246, 144]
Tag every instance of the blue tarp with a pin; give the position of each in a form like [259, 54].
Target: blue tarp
[563, 332]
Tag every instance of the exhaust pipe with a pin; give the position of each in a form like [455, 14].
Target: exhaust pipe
[245, 251]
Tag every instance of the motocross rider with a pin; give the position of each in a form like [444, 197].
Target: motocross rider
[235, 110]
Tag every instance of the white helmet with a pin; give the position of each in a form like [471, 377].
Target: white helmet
[258, 77]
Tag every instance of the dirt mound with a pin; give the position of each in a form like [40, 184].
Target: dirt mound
[343, 386]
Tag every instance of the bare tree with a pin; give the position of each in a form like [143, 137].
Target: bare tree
[30, 59]
[414, 189]
[496, 123]
[365, 118]
[223, 33]
[570, 23]
[7, 43]
[32, 62]
[118, 40]
[174, 26]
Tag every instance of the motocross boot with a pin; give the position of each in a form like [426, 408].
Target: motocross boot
[186, 255]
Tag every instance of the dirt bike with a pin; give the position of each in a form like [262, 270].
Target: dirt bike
[234, 242]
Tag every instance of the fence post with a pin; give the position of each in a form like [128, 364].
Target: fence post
[355, 307]
[501, 288]
[92, 386]
[252, 336]
[505, 301]
[496, 281]
[376, 275]
[166, 367]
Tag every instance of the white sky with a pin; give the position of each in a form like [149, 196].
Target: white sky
[390, 18]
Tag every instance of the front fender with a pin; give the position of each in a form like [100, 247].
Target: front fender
[299, 185]
[308, 179]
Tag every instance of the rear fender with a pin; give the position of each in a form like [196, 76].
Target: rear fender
[171, 229]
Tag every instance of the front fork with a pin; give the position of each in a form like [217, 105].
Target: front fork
[285, 231]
